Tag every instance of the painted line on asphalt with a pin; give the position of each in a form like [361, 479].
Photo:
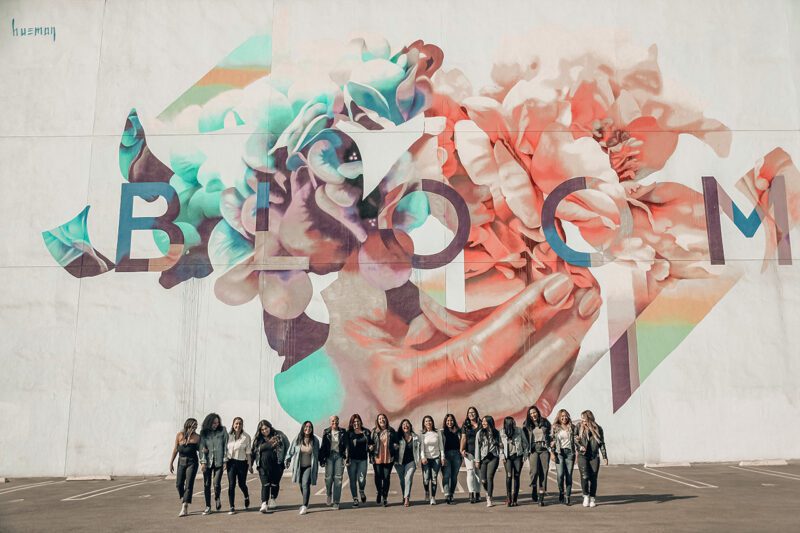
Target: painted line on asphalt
[694, 484]
[574, 485]
[106, 490]
[765, 470]
[706, 485]
[29, 486]
[754, 471]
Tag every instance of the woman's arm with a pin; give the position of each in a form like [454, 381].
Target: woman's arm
[178, 437]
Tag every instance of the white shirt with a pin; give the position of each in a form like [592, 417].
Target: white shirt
[430, 445]
[238, 448]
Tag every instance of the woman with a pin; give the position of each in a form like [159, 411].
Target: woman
[408, 455]
[383, 447]
[305, 449]
[277, 474]
[213, 445]
[591, 444]
[239, 462]
[487, 455]
[538, 432]
[331, 456]
[186, 445]
[431, 457]
[357, 457]
[513, 448]
[268, 452]
[451, 436]
[472, 423]
[564, 444]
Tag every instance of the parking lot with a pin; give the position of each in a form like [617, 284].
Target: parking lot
[705, 497]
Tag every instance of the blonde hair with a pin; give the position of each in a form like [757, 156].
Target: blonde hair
[589, 425]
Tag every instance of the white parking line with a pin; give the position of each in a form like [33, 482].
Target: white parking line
[768, 473]
[29, 486]
[765, 470]
[106, 490]
[703, 483]
[689, 482]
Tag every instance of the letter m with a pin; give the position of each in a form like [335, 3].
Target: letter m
[775, 217]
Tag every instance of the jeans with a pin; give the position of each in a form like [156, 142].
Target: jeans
[430, 475]
[513, 471]
[237, 474]
[539, 464]
[452, 463]
[215, 473]
[565, 461]
[305, 484]
[589, 469]
[357, 472]
[383, 474]
[406, 474]
[488, 469]
[473, 475]
[275, 475]
[264, 476]
[334, 469]
[184, 479]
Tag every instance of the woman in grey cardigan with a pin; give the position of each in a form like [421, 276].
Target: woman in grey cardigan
[514, 444]
[213, 446]
[407, 458]
[305, 452]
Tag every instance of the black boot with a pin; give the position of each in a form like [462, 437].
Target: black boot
[534, 495]
[427, 494]
[569, 493]
[560, 496]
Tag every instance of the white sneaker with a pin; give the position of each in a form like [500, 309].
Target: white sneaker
[272, 504]
[586, 501]
[207, 511]
[489, 502]
[303, 509]
[263, 507]
[232, 511]
[433, 501]
[592, 503]
[184, 509]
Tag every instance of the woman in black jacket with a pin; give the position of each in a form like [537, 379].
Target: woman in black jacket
[357, 457]
[331, 456]
[539, 433]
[383, 449]
[591, 445]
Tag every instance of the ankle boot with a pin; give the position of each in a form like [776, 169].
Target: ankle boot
[560, 496]
[541, 499]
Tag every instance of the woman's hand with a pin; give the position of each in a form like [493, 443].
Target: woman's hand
[203, 467]
[605, 462]
[424, 461]
[171, 468]
[251, 469]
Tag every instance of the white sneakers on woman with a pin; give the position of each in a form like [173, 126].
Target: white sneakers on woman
[433, 500]
[585, 501]
[263, 507]
[489, 502]
[271, 504]
[592, 503]
[184, 509]
[303, 509]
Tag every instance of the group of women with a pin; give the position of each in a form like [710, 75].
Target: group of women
[477, 443]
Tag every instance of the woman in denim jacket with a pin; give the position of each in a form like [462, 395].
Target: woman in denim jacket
[408, 456]
[304, 450]
[514, 446]
[213, 447]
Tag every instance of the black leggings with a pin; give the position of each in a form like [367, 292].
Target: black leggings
[383, 476]
[184, 479]
[488, 469]
[237, 474]
[270, 481]
[513, 471]
[589, 469]
[539, 464]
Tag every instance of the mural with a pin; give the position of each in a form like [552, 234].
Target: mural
[414, 241]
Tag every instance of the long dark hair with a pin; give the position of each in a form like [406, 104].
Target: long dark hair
[302, 427]
[529, 425]
[377, 428]
[208, 421]
[353, 418]
[186, 427]
[433, 424]
[273, 435]
[410, 427]
[466, 423]
[455, 422]
[494, 435]
[509, 426]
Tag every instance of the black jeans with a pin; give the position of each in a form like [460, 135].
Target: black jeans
[589, 469]
[215, 473]
[539, 464]
[513, 471]
[488, 469]
[184, 479]
[237, 474]
[383, 476]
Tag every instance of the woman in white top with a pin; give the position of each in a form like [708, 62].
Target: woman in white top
[239, 462]
[431, 457]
